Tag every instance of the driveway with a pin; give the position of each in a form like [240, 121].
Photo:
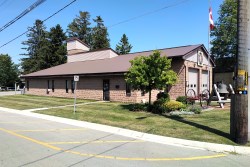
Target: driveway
[28, 141]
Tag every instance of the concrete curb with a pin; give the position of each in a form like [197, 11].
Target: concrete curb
[138, 135]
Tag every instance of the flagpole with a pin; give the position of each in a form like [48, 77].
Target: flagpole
[208, 47]
[210, 27]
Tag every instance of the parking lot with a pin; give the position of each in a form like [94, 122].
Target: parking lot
[27, 141]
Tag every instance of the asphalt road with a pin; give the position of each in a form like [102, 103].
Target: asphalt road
[27, 141]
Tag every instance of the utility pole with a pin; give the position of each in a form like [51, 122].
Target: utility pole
[239, 105]
[248, 55]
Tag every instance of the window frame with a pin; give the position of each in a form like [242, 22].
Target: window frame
[66, 86]
[128, 89]
[53, 85]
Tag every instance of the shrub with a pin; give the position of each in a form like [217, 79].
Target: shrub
[138, 107]
[173, 105]
[163, 95]
[182, 99]
[194, 108]
[158, 106]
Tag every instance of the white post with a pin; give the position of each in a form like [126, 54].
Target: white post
[15, 88]
[75, 97]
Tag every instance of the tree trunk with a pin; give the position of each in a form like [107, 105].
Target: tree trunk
[149, 100]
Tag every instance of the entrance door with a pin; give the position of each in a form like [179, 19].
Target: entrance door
[193, 80]
[205, 80]
[106, 90]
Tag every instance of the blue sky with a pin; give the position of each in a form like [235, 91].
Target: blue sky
[185, 24]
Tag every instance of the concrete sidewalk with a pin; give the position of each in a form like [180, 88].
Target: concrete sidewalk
[9, 93]
[138, 135]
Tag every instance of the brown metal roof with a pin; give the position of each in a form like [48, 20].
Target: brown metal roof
[111, 65]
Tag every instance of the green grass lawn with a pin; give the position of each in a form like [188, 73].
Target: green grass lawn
[211, 126]
[23, 102]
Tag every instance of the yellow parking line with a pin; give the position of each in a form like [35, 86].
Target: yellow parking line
[30, 139]
[97, 142]
[110, 157]
[48, 130]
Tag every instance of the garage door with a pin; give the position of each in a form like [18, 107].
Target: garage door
[205, 80]
[193, 79]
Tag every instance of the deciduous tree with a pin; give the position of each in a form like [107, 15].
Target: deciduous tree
[8, 71]
[224, 36]
[150, 72]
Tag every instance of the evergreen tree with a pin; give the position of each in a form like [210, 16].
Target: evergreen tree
[8, 71]
[58, 50]
[224, 36]
[37, 48]
[44, 49]
[99, 35]
[123, 47]
[80, 28]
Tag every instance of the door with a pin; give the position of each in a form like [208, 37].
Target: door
[193, 80]
[205, 80]
[106, 90]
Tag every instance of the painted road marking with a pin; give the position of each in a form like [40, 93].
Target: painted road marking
[96, 142]
[110, 157]
[48, 130]
[32, 140]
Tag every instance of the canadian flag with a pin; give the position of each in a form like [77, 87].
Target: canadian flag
[211, 19]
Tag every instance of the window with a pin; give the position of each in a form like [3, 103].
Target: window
[142, 93]
[72, 86]
[66, 84]
[128, 89]
[168, 87]
[48, 85]
[53, 86]
[28, 85]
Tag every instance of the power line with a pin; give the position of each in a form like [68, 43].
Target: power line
[42, 21]
[33, 6]
[128, 20]
[148, 13]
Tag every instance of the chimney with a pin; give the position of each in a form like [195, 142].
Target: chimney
[75, 46]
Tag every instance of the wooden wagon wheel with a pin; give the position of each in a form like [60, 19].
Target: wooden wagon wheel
[191, 96]
[205, 98]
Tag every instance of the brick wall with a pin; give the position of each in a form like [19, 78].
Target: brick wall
[178, 89]
[92, 87]
[87, 88]
[181, 68]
